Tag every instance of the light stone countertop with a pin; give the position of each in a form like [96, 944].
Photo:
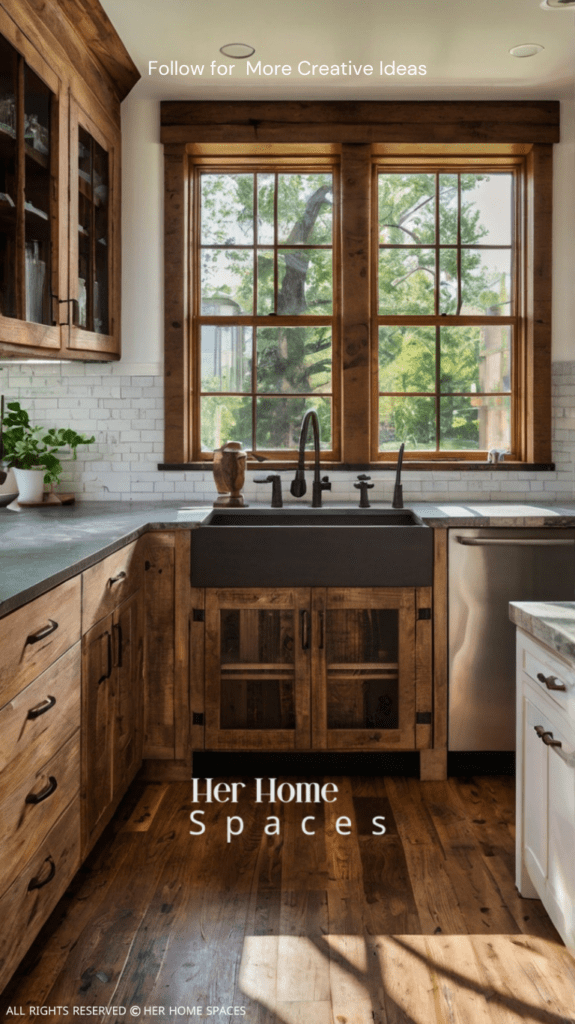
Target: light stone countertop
[40, 548]
[552, 622]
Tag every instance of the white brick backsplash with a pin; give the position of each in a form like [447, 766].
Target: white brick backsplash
[126, 415]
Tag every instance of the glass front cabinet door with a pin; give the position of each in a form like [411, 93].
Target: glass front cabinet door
[321, 668]
[32, 190]
[94, 169]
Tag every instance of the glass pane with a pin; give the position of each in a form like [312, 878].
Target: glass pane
[411, 420]
[448, 184]
[485, 282]
[305, 205]
[227, 282]
[8, 182]
[365, 696]
[85, 226]
[225, 419]
[407, 358]
[305, 282]
[407, 209]
[227, 209]
[37, 177]
[486, 208]
[474, 422]
[265, 259]
[279, 422]
[407, 281]
[257, 654]
[226, 357]
[102, 236]
[294, 359]
[475, 359]
[266, 194]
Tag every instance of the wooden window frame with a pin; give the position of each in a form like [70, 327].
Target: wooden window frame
[237, 164]
[361, 133]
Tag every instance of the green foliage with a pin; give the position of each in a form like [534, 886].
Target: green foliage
[28, 447]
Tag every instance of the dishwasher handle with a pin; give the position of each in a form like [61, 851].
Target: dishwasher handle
[515, 542]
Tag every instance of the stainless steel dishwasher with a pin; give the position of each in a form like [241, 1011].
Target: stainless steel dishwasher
[488, 568]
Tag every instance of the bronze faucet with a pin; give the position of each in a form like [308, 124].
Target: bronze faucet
[298, 484]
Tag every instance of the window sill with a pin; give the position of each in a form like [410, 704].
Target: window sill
[327, 467]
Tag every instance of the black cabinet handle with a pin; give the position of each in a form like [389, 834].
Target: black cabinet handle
[119, 644]
[116, 579]
[305, 630]
[42, 633]
[548, 740]
[550, 682]
[37, 882]
[108, 673]
[37, 798]
[41, 708]
[321, 630]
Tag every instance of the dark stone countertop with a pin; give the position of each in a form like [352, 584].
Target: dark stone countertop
[552, 622]
[40, 548]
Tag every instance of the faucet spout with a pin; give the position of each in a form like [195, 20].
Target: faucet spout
[298, 485]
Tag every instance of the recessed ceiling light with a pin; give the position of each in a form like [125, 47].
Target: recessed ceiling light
[237, 50]
[557, 5]
[526, 50]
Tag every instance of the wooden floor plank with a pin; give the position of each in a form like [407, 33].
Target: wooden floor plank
[332, 928]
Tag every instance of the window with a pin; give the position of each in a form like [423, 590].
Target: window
[400, 287]
[264, 324]
[446, 298]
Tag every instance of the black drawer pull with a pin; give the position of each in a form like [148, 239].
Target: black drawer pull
[37, 882]
[116, 579]
[108, 672]
[42, 707]
[37, 798]
[551, 682]
[42, 633]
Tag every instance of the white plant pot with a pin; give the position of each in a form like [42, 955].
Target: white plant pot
[30, 483]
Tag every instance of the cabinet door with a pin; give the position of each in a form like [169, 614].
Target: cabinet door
[535, 794]
[128, 685]
[257, 660]
[363, 694]
[561, 831]
[94, 234]
[97, 725]
[33, 188]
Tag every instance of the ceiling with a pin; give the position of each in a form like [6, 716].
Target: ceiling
[464, 45]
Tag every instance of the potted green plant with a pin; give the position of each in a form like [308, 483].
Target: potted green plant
[33, 452]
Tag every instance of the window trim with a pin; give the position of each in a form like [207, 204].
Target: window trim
[360, 131]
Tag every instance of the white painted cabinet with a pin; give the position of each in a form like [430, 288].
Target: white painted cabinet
[545, 865]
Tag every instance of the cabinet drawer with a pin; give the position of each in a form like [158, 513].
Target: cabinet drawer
[548, 672]
[109, 582]
[34, 893]
[32, 802]
[35, 724]
[33, 637]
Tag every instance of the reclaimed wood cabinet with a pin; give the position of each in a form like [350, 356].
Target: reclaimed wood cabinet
[39, 764]
[112, 688]
[60, 181]
[322, 668]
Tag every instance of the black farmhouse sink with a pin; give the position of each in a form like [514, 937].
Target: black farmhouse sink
[309, 547]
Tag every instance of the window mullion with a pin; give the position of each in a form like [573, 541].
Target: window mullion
[355, 301]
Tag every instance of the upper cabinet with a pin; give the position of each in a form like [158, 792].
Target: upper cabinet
[62, 77]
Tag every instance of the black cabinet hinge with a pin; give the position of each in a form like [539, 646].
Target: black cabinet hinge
[197, 717]
[423, 718]
[424, 613]
[198, 615]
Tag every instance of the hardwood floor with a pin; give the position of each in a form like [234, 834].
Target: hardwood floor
[422, 924]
